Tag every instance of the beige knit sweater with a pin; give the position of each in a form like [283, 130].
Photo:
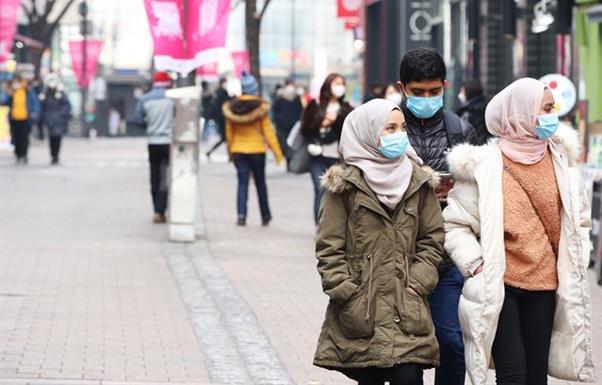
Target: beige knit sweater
[531, 241]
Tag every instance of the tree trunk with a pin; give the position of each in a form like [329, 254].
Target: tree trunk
[252, 29]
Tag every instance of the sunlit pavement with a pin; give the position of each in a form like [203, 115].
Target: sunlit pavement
[91, 292]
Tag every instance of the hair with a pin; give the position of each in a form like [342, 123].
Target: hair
[222, 81]
[325, 92]
[472, 88]
[422, 64]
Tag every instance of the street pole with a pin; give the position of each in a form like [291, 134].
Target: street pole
[293, 48]
[83, 10]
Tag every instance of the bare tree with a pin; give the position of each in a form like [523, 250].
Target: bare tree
[253, 18]
[40, 27]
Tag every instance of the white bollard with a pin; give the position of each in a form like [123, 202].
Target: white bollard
[184, 164]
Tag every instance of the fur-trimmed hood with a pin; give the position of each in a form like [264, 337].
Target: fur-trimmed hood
[464, 159]
[246, 109]
[339, 178]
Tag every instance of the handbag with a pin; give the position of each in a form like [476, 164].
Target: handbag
[300, 158]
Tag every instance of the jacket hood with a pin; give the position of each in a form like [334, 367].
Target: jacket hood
[246, 109]
[464, 159]
[339, 179]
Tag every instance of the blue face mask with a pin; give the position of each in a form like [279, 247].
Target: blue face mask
[424, 108]
[395, 145]
[546, 126]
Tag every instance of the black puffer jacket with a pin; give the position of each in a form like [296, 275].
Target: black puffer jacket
[430, 138]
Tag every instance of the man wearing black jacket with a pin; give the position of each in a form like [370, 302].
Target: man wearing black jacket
[432, 132]
[221, 97]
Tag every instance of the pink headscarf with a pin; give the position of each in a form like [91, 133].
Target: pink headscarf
[512, 116]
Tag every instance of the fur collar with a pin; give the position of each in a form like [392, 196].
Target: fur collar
[246, 110]
[339, 179]
[464, 158]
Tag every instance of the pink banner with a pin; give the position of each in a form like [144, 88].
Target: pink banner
[206, 27]
[242, 62]
[208, 70]
[93, 48]
[9, 9]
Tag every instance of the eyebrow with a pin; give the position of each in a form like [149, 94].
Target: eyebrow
[418, 89]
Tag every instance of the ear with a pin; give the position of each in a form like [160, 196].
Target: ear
[400, 87]
[445, 84]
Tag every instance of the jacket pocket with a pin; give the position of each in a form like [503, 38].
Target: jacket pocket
[356, 315]
[415, 317]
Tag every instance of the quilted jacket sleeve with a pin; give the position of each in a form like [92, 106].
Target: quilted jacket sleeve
[462, 226]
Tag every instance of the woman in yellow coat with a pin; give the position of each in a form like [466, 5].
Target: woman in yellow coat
[248, 130]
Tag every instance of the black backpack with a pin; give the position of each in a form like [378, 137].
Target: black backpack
[456, 129]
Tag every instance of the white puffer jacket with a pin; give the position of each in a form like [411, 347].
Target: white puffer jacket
[475, 235]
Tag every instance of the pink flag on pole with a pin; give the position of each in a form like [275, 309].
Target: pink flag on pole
[242, 62]
[93, 48]
[206, 27]
[9, 9]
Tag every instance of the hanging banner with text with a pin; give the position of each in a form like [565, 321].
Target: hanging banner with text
[349, 12]
[206, 26]
[9, 9]
[76, 49]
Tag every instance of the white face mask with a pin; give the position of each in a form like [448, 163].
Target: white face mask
[338, 90]
[394, 98]
[53, 84]
[290, 91]
[462, 97]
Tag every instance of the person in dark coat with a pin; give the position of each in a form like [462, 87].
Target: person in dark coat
[56, 113]
[207, 109]
[286, 111]
[321, 127]
[432, 133]
[221, 97]
[473, 106]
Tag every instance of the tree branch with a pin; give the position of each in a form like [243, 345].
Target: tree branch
[265, 6]
[48, 8]
[28, 13]
[56, 22]
[236, 4]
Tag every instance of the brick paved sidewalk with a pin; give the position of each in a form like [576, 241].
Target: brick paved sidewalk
[86, 296]
[274, 269]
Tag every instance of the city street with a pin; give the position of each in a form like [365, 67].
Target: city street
[92, 293]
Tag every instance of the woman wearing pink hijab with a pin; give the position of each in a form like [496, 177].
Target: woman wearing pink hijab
[517, 226]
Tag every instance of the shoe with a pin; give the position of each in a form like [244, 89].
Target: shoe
[54, 162]
[241, 221]
[159, 218]
[266, 221]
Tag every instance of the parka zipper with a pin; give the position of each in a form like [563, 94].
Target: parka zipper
[369, 288]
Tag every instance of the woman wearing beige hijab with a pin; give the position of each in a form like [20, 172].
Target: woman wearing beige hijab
[517, 226]
[379, 243]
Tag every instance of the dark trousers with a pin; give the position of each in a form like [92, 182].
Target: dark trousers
[158, 156]
[247, 164]
[444, 309]
[522, 341]
[20, 129]
[405, 374]
[55, 147]
[317, 167]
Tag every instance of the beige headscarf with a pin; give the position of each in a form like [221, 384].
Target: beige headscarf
[388, 178]
[512, 116]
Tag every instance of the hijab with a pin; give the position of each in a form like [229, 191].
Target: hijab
[387, 178]
[512, 116]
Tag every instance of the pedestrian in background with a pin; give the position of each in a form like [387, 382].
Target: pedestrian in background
[472, 108]
[207, 109]
[321, 126]
[248, 129]
[518, 223]
[221, 97]
[155, 111]
[56, 113]
[393, 94]
[379, 245]
[24, 111]
[286, 111]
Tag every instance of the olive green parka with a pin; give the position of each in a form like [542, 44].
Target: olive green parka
[372, 264]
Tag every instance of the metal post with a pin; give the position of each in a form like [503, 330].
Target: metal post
[293, 47]
[83, 10]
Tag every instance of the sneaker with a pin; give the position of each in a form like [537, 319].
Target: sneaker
[159, 218]
[54, 162]
[241, 221]
[266, 221]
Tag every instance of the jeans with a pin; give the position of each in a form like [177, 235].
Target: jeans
[404, 374]
[55, 147]
[247, 164]
[522, 341]
[20, 129]
[317, 167]
[158, 155]
[444, 308]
